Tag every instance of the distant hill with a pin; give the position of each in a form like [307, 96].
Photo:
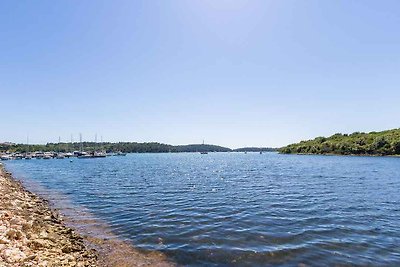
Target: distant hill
[201, 148]
[373, 143]
[127, 147]
[255, 149]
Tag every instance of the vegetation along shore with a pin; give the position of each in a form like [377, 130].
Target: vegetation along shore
[125, 147]
[385, 143]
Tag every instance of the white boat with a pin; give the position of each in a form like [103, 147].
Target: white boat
[48, 155]
[99, 154]
[60, 156]
[5, 157]
[91, 155]
[119, 153]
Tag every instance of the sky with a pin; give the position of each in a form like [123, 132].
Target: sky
[234, 73]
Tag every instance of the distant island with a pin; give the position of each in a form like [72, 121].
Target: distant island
[374, 143]
[126, 147]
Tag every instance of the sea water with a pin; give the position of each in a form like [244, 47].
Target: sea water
[227, 209]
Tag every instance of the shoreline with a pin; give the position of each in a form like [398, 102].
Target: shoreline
[349, 155]
[32, 233]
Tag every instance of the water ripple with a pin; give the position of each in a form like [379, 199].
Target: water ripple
[231, 209]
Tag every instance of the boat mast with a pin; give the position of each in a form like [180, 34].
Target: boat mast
[72, 145]
[80, 140]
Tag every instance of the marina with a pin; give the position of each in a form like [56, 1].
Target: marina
[58, 155]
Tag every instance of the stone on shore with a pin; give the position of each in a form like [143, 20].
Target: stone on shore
[33, 235]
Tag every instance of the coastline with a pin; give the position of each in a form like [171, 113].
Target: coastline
[333, 154]
[33, 234]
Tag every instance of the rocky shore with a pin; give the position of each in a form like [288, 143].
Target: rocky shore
[31, 234]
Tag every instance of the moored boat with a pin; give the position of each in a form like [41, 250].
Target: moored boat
[68, 155]
[119, 153]
[60, 156]
[5, 157]
[85, 155]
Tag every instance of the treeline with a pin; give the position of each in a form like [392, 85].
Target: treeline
[255, 149]
[126, 147]
[201, 148]
[358, 143]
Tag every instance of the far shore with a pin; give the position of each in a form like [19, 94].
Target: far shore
[333, 154]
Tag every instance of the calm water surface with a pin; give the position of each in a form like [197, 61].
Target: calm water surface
[234, 208]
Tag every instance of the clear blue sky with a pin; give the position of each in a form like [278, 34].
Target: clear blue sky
[235, 73]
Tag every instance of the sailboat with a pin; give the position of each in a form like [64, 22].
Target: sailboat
[27, 154]
[59, 154]
[94, 154]
[203, 152]
[70, 154]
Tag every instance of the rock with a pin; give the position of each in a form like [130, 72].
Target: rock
[3, 241]
[13, 255]
[31, 234]
[30, 257]
[13, 234]
[37, 244]
[71, 248]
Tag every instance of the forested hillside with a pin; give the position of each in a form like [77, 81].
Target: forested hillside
[127, 147]
[373, 143]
